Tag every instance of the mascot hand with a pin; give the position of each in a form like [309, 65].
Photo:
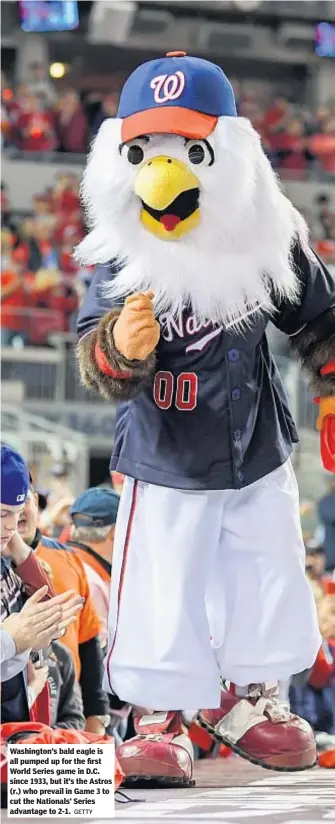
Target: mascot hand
[326, 426]
[136, 332]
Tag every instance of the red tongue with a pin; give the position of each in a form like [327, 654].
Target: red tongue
[169, 222]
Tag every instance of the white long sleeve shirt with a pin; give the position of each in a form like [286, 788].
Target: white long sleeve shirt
[11, 662]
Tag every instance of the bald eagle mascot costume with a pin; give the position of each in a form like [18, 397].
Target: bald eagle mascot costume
[196, 249]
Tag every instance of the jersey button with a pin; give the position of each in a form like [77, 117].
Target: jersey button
[233, 355]
[237, 435]
[240, 476]
[236, 394]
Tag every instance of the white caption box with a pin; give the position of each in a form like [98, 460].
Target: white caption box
[64, 780]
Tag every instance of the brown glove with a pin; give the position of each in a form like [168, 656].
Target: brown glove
[136, 332]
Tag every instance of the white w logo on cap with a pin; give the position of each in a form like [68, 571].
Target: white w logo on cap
[168, 86]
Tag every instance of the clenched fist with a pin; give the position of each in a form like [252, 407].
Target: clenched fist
[136, 332]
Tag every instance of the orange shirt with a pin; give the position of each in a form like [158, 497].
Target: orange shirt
[68, 572]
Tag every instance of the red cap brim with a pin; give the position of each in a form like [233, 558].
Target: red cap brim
[168, 120]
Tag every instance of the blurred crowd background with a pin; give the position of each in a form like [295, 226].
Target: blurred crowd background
[63, 67]
[58, 86]
[39, 117]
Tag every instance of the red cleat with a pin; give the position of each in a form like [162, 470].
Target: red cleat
[262, 730]
[160, 755]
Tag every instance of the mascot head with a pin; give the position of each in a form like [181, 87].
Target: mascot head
[178, 188]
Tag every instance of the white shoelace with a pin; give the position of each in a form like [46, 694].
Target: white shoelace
[269, 703]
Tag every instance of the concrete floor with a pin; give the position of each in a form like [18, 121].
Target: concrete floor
[234, 791]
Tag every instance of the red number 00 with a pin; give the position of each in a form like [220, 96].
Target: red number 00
[186, 390]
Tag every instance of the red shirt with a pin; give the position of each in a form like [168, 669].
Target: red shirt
[73, 132]
[274, 117]
[324, 668]
[15, 299]
[295, 148]
[66, 262]
[66, 202]
[36, 132]
[323, 146]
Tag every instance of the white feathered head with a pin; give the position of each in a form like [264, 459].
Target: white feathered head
[179, 189]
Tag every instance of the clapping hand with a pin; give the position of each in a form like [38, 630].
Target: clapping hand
[40, 623]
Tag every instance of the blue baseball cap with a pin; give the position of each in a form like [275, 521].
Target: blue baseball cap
[175, 94]
[95, 507]
[14, 477]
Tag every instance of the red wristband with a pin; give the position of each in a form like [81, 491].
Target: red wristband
[328, 369]
[105, 367]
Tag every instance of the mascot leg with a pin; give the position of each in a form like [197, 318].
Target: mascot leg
[160, 655]
[263, 624]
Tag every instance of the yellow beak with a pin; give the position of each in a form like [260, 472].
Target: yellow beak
[158, 184]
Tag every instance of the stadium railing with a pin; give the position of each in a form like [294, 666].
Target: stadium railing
[41, 356]
[49, 371]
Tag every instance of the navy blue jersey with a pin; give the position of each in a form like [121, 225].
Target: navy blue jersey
[215, 415]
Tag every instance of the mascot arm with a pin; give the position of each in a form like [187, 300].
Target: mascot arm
[315, 345]
[102, 367]
[104, 370]
[310, 322]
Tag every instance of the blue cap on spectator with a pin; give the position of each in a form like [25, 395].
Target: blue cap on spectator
[176, 94]
[95, 507]
[14, 477]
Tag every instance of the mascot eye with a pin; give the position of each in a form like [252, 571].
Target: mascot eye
[135, 154]
[200, 152]
[134, 151]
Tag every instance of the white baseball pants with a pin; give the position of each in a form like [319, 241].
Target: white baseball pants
[207, 584]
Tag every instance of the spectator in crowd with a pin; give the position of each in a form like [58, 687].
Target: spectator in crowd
[325, 217]
[42, 285]
[314, 701]
[39, 83]
[5, 126]
[23, 630]
[93, 516]
[327, 519]
[35, 127]
[322, 145]
[12, 294]
[315, 566]
[277, 115]
[326, 251]
[71, 123]
[56, 521]
[64, 196]
[37, 686]
[108, 108]
[43, 233]
[42, 208]
[39, 292]
[7, 243]
[6, 218]
[21, 576]
[82, 637]
[290, 147]
[65, 700]
[27, 251]
[297, 139]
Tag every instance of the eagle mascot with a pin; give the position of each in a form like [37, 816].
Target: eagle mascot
[196, 249]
